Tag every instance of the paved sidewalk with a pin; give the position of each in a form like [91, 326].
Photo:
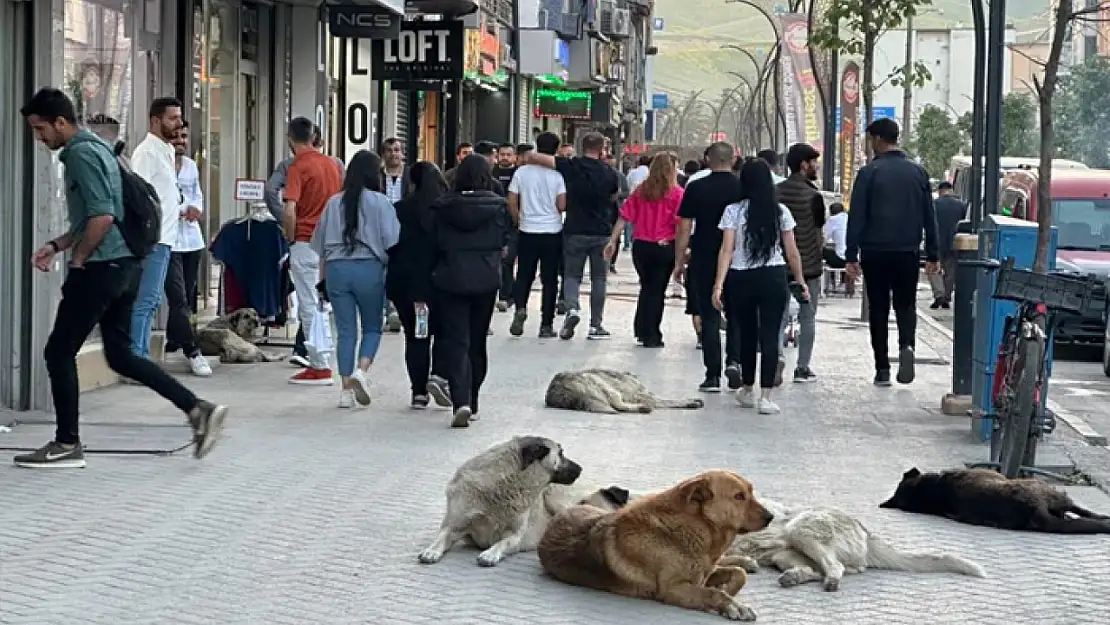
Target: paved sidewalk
[307, 514]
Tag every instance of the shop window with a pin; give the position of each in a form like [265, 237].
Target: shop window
[98, 68]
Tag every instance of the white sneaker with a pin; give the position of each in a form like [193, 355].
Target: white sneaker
[767, 406]
[346, 398]
[360, 386]
[200, 367]
[745, 398]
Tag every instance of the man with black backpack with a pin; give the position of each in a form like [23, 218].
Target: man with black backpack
[113, 223]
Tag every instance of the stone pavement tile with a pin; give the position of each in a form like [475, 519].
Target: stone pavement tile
[307, 514]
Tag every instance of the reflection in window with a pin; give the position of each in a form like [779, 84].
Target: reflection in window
[98, 65]
[1082, 223]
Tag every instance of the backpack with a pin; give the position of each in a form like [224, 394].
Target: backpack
[142, 214]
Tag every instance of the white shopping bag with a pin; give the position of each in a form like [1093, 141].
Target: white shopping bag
[319, 335]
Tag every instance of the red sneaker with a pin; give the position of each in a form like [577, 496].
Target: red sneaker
[313, 377]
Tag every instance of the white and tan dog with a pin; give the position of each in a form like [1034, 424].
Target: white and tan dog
[822, 544]
[502, 499]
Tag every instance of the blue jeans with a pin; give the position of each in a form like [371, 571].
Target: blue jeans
[152, 286]
[357, 292]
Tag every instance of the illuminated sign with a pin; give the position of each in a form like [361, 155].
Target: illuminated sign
[566, 104]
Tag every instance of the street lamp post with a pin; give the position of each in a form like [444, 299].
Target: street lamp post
[776, 53]
[764, 74]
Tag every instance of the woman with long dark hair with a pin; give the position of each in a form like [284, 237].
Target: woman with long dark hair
[758, 243]
[408, 284]
[355, 231]
[470, 228]
[652, 209]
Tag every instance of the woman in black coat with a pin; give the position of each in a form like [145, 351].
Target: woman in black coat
[469, 229]
[408, 283]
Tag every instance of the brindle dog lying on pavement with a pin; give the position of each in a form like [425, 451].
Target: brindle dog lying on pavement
[229, 337]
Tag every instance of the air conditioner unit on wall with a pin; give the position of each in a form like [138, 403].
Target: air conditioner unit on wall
[616, 22]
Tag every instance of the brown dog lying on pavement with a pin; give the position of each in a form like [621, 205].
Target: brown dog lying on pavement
[664, 546]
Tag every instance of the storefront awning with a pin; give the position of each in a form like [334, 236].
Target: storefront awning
[448, 8]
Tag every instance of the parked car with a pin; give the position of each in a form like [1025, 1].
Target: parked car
[1081, 214]
[959, 171]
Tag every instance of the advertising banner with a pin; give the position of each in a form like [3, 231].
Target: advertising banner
[805, 118]
[849, 133]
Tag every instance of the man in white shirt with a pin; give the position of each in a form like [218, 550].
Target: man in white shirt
[185, 255]
[836, 235]
[639, 173]
[153, 160]
[537, 199]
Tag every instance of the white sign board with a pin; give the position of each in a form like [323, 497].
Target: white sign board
[360, 121]
[247, 190]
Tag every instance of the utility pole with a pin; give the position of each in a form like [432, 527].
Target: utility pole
[907, 86]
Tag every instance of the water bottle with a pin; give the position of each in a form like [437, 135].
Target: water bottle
[421, 321]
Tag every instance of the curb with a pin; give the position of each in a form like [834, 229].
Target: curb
[1072, 420]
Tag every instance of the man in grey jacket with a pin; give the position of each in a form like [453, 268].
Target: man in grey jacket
[892, 204]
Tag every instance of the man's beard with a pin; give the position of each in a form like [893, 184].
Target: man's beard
[811, 174]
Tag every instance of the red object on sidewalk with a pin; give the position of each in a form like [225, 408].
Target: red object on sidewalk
[234, 295]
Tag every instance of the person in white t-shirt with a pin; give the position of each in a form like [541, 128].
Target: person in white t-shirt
[757, 245]
[537, 199]
[639, 173]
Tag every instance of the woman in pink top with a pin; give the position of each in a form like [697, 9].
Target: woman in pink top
[652, 209]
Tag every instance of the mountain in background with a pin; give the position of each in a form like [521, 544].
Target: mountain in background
[690, 55]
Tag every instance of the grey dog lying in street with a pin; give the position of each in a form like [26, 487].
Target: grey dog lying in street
[608, 391]
[822, 544]
[502, 499]
[229, 338]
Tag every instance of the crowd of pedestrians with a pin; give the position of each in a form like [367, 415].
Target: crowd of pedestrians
[382, 238]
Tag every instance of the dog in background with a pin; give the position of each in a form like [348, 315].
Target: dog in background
[502, 499]
[607, 391]
[987, 498]
[229, 337]
[822, 544]
[664, 546]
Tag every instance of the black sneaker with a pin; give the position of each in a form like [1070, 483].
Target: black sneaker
[571, 322]
[208, 423]
[502, 305]
[438, 389]
[598, 333]
[419, 402]
[53, 455]
[937, 303]
[905, 366]
[732, 374]
[946, 304]
[516, 328]
[882, 377]
[710, 385]
[804, 374]
[547, 332]
[462, 417]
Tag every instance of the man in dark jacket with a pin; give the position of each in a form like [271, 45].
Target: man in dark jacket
[503, 170]
[799, 193]
[950, 212]
[892, 203]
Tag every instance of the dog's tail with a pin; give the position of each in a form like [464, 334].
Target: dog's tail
[882, 555]
[680, 404]
[1056, 525]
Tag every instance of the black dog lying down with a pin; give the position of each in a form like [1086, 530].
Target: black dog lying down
[985, 497]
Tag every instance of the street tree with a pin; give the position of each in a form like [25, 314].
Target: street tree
[1045, 87]
[853, 27]
[1082, 113]
[1019, 125]
[936, 139]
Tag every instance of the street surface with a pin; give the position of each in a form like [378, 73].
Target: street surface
[308, 514]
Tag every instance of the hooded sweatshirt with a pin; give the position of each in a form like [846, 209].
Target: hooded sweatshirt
[469, 229]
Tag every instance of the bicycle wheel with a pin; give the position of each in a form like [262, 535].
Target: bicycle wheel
[1017, 426]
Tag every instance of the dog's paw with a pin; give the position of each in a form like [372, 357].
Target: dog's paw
[643, 409]
[737, 611]
[791, 578]
[697, 403]
[831, 584]
[430, 556]
[489, 558]
[748, 564]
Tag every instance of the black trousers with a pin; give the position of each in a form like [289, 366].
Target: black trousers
[103, 294]
[459, 349]
[181, 282]
[654, 264]
[418, 352]
[890, 278]
[506, 292]
[757, 299]
[701, 273]
[543, 251]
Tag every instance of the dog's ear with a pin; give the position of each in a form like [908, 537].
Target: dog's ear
[697, 490]
[615, 495]
[912, 473]
[532, 449]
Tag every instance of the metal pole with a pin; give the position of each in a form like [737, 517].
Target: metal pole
[958, 402]
[907, 87]
[975, 186]
[993, 131]
[828, 173]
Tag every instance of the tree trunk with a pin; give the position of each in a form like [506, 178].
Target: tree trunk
[868, 89]
[1045, 91]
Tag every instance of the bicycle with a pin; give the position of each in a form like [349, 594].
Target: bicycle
[1020, 371]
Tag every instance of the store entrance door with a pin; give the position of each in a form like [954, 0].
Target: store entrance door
[16, 192]
[249, 152]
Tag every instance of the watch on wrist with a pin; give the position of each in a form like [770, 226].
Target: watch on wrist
[54, 246]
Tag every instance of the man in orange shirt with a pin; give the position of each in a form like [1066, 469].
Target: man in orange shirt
[313, 178]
